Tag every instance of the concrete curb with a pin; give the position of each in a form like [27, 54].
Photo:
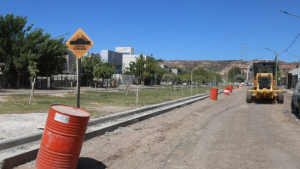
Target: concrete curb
[16, 158]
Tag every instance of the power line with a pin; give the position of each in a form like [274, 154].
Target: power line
[286, 50]
[292, 54]
[61, 35]
[249, 49]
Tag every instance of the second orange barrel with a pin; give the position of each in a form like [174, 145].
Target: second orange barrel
[226, 91]
[213, 94]
[63, 137]
[230, 88]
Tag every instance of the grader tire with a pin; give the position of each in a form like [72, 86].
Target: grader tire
[249, 98]
[295, 109]
[280, 98]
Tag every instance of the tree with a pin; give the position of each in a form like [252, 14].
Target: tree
[185, 76]
[152, 69]
[28, 54]
[12, 33]
[103, 71]
[145, 69]
[232, 72]
[88, 64]
[24, 51]
[239, 78]
[51, 54]
[138, 68]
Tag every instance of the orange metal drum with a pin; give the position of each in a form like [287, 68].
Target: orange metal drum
[63, 137]
[230, 88]
[226, 91]
[213, 94]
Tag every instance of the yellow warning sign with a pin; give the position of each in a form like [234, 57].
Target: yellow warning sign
[79, 43]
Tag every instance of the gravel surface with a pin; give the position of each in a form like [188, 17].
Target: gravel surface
[227, 133]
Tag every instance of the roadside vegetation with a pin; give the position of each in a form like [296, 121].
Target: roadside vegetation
[18, 104]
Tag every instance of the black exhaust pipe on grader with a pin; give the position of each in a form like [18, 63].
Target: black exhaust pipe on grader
[264, 86]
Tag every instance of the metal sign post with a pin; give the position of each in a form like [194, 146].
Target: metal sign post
[78, 81]
[79, 44]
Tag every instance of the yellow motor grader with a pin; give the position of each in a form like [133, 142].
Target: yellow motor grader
[264, 86]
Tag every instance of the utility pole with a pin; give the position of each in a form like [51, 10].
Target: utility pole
[245, 52]
[241, 51]
[248, 67]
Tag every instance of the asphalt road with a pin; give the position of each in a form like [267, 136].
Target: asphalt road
[227, 133]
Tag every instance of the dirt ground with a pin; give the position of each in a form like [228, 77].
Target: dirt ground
[14, 125]
[227, 133]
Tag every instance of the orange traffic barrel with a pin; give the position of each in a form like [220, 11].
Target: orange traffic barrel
[226, 91]
[230, 88]
[213, 93]
[63, 137]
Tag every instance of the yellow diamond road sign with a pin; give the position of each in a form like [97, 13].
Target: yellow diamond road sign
[79, 43]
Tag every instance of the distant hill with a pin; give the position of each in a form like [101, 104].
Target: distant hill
[223, 66]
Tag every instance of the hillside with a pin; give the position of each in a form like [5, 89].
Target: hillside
[223, 66]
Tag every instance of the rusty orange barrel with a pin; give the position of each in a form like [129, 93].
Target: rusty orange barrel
[226, 91]
[230, 88]
[213, 94]
[63, 137]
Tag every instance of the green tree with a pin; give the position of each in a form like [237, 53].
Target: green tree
[138, 68]
[28, 57]
[24, 51]
[185, 76]
[232, 72]
[32, 68]
[12, 33]
[152, 69]
[51, 55]
[239, 78]
[103, 71]
[88, 64]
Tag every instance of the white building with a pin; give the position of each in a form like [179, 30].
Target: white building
[130, 58]
[114, 58]
[88, 54]
[166, 67]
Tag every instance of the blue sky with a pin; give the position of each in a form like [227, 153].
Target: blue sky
[173, 29]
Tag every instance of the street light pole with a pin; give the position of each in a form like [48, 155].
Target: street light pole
[248, 67]
[275, 64]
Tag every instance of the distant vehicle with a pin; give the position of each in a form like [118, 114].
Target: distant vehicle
[184, 83]
[295, 103]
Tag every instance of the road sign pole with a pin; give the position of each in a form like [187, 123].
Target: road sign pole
[79, 44]
[78, 81]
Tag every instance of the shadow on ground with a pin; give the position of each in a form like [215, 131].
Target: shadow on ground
[90, 163]
[265, 102]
